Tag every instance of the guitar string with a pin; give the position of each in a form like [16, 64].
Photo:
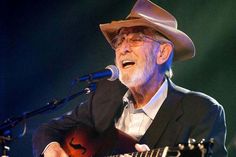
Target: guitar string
[139, 154]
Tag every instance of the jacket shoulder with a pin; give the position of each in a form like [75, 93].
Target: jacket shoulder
[194, 100]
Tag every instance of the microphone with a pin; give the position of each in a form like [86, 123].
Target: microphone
[110, 73]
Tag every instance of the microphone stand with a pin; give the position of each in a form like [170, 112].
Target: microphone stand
[5, 133]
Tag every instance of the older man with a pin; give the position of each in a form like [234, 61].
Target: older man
[152, 110]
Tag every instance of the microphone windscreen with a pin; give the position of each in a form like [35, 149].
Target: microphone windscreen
[115, 72]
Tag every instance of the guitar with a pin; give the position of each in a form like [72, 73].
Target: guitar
[85, 142]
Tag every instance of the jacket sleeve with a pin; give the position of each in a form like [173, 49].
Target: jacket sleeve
[97, 112]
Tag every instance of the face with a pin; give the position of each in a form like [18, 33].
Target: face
[136, 59]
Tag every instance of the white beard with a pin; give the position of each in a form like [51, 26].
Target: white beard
[141, 75]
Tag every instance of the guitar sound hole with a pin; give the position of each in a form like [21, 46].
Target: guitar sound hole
[77, 146]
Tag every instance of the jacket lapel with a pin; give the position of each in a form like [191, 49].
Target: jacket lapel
[107, 103]
[169, 110]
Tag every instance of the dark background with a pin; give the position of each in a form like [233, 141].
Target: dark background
[45, 44]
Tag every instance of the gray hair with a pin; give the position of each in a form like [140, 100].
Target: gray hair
[166, 67]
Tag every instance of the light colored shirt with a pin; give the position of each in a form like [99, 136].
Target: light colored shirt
[135, 122]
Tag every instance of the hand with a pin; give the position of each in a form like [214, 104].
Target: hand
[139, 148]
[54, 150]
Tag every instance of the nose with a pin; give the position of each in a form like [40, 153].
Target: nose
[125, 48]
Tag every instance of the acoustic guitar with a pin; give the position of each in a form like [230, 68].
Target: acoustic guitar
[85, 142]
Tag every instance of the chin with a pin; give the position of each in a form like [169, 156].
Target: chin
[132, 81]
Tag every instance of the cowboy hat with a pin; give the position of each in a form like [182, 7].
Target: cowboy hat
[146, 13]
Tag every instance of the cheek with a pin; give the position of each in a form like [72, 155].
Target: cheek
[145, 54]
[148, 58]
[117, 62]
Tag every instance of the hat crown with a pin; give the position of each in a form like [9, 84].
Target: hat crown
[147, 14]
[148, 10]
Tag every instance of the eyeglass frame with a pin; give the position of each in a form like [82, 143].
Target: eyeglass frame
[143, 36]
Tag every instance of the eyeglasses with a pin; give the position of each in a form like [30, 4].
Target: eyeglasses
[137, 39]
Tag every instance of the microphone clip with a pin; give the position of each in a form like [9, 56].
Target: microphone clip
[91, 88]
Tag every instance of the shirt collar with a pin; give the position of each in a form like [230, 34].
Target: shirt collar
[154, 104]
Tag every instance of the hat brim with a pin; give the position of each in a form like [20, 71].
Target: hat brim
[183, 46]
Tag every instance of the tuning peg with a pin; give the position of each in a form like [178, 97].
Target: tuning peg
[212, 140]
[191, 143]
[202, 141]
[181, 146]
[201, 145]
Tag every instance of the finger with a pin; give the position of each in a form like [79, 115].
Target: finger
[64, 155]
[56, 152]
[127, 155]
[141, 147]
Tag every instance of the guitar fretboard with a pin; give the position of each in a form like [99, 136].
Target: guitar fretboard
[161, 152]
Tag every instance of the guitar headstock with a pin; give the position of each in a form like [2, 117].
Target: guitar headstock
[196, 149]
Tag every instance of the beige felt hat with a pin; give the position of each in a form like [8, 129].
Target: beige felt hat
[146, 13]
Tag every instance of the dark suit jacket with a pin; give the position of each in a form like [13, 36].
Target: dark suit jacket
[184, 114]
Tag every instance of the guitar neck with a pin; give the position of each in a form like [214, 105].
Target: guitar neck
[160, 152]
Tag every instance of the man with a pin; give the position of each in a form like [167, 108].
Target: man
[152, 110]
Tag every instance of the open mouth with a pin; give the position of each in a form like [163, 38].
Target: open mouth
[127, 63]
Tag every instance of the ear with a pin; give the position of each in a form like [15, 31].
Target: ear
[164, 53]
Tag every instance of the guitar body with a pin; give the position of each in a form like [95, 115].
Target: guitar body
[85, 142]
